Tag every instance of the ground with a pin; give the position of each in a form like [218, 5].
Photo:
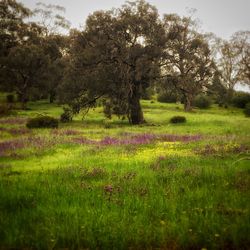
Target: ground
[100, 184]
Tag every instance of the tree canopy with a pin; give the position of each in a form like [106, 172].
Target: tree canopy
[116, 57]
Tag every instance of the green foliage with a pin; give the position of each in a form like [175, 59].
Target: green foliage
[67, 115]
[147, 93]
[115, 107]
[247, 109]
[42, 122]
[109, 58]
[188, 57]
[10, 98]
[178, 119]
[202, 102]
[240, 99]
[165, 97]
[4, 110]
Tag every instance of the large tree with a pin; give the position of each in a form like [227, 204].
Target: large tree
[241, 43]
[19, 50]
[12, 24]
[233, 61]
[116, 56]
[55, 42]
[31, 52]
[25, 69]
[187, 60]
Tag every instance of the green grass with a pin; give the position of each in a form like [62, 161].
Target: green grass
[57, 194]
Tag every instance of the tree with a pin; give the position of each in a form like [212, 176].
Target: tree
[116, 57]
[25, 68]
[50, 16]
[241, 43]
[54, 42]
[55, 47]
[30, 52]
[19, 50]
[187, 59]
[228, 65]
[217, 90]
[233, 61]
[12, 17]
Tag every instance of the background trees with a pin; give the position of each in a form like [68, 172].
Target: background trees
[232, 60]
[116, 57]
[187, 59]
[31, 54]
[22, 61]
[241, 43]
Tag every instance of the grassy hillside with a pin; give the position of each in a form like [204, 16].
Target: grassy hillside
[98, 184]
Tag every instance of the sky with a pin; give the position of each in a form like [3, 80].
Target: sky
[222, 17]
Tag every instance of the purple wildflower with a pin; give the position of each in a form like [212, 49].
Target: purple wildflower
[108, 189]
[82, 140]
[13, 121]
[66, 132]
[109, 141]
[10, 146]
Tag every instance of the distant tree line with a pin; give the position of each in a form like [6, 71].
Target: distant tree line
[119, 57]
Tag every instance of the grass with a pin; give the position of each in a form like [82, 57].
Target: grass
[87, 185]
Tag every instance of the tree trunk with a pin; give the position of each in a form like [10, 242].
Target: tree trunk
[188, 103]
[229, 96]
[136, 114]
[52, 96]
[23, 99]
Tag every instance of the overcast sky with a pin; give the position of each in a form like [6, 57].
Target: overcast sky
[222, 17]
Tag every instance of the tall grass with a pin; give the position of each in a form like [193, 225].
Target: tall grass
[138, 192]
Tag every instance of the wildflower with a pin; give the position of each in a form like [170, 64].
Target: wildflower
[108, 188]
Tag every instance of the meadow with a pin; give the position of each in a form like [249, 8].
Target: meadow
[104, 184]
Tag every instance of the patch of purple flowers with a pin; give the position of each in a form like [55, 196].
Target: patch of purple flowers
[7, 148]
[138, 139]
[19, 131]
[82, 140]
[13, 121]
[15, 131]
[181, 138]
[10, 146]
[67, 132]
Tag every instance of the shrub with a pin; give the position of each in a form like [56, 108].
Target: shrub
[5, 110]
[10, 98]
[42, 122]
[178, 119]
[67, 115]
[202, 102]
[147, 94]
[240, 99]
[247, 110]
[167, 98]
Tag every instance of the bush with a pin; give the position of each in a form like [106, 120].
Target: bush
[178, 119]
[202, 102]
[240, 99]
[247, 110]
[67, 115]
[5, 110]
[42, 122]
[167, 98]
[10, 98]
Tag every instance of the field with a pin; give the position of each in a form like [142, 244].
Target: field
[98, 184]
